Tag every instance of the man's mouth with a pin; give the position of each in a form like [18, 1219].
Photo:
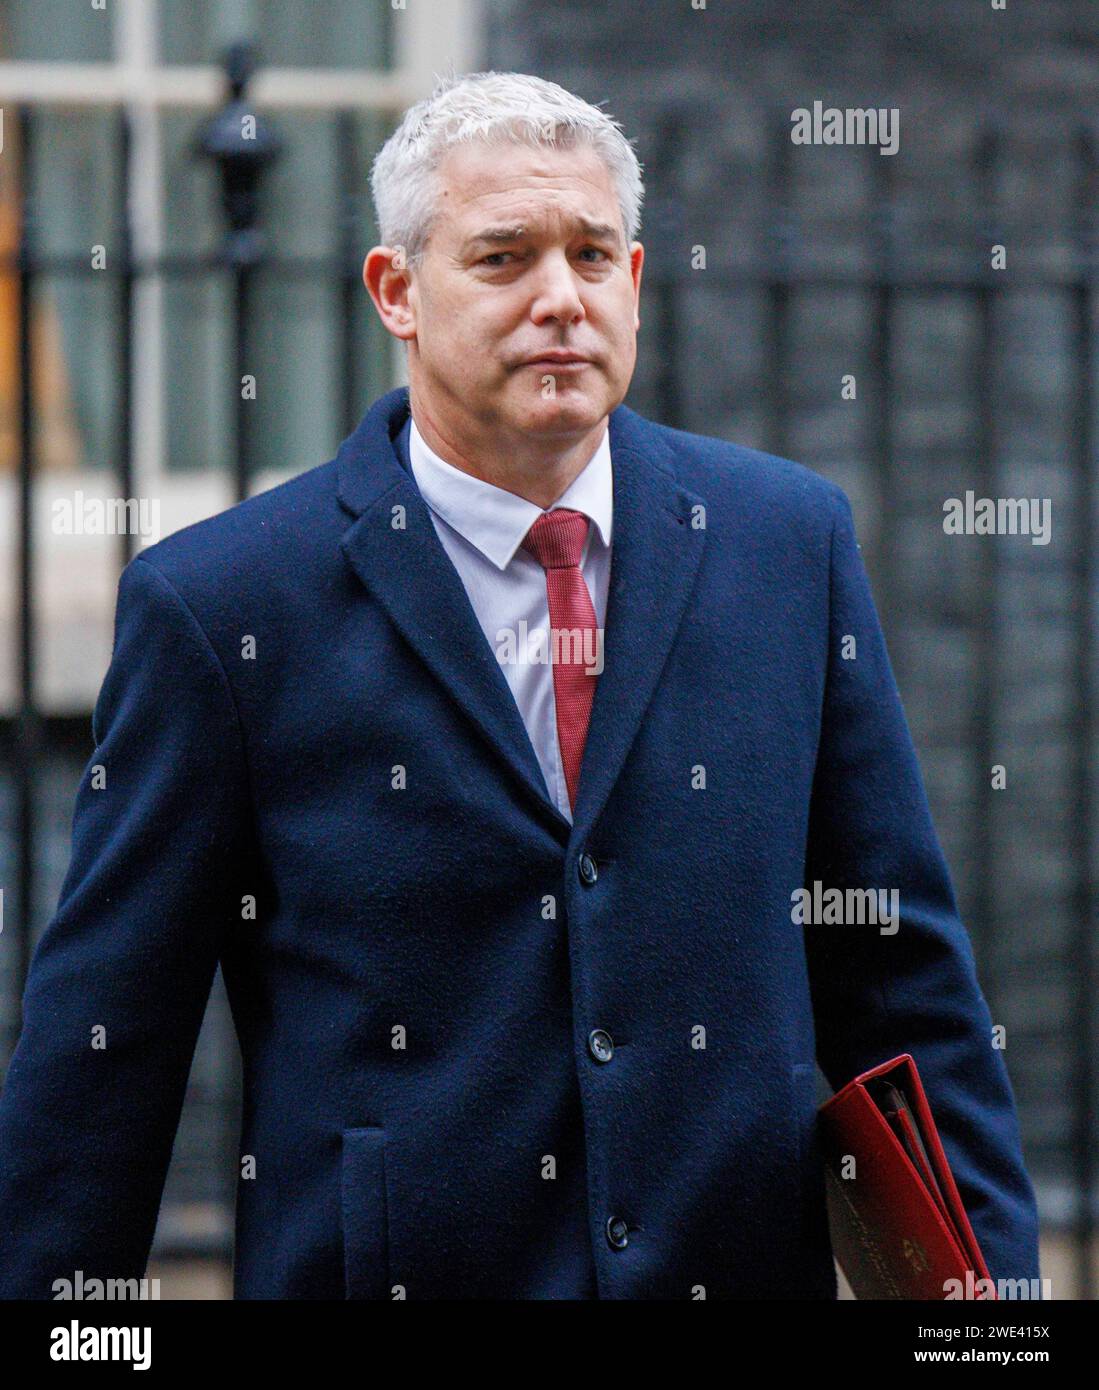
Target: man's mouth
[570, 363]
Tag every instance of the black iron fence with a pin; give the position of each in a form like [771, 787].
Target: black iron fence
[1016, 955]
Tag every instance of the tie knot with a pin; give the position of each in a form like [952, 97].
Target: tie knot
[557, 538]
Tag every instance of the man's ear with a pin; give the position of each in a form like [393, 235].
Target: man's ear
[388, 281]
[637, 260]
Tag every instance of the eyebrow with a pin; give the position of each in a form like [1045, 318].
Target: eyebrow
[499, 236]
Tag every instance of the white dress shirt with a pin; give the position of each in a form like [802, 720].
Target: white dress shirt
[482, 528]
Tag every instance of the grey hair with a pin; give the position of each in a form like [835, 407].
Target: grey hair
[494, 107]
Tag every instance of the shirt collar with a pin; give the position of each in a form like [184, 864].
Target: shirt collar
[494, 520]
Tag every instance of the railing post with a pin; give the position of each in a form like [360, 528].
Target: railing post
[351, 289]
[29, 738]
[1085, 733]
[984, 626]
[665, 225]
[784, 241]
[243, 146]
[126, 286]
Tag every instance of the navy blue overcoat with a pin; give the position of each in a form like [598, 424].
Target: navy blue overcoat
[309, 767]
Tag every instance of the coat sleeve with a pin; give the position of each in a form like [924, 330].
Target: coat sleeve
[120, 978]
[876, 995]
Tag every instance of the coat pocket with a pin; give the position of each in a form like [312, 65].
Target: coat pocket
[364, 1213]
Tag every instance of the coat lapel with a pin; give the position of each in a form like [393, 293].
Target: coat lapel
[655, 553]
[410, 574]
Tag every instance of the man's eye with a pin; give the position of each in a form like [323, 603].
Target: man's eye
[493, 260]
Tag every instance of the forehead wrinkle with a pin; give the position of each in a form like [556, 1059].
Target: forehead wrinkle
[535, 187]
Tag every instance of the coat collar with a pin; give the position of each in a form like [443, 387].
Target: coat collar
[393, 548]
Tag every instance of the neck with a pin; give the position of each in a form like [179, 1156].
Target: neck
[536, 469]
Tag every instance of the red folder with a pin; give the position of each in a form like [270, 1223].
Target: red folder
[898, 1226]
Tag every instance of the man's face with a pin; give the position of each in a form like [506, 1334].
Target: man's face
[527, 256]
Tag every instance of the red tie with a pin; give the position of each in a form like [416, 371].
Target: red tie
[556, 541]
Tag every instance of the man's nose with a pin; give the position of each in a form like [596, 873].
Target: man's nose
[556, 294]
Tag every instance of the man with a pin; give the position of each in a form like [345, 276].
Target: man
[525, 1003]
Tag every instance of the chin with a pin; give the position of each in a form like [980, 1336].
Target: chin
[569, 409]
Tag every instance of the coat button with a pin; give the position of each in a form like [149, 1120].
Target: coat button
[600, 1045]
[617, 1237]
[588, 872]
